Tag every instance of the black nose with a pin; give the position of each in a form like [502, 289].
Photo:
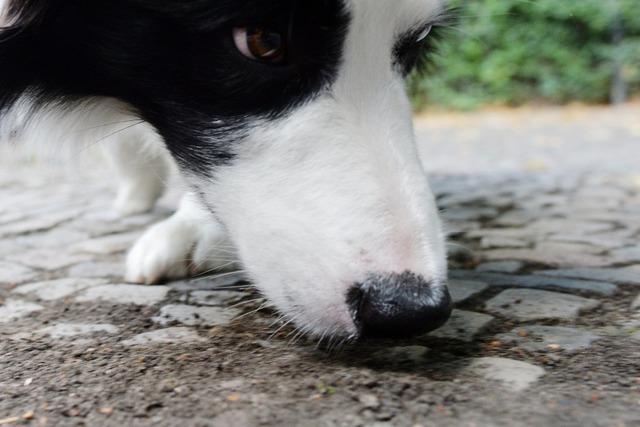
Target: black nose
[398, 305]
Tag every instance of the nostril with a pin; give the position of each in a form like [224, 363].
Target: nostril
[398, 305]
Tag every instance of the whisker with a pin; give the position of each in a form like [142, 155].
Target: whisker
[208, 260]
[233, 288]
[251, 312]
[104, 125]
[88, 146]
[320, 340]
[241, 303]
[217, 276]
[244, 290]
[340, 345]
[217, 268]
[284, 325]
[280, 318]
[302, 332]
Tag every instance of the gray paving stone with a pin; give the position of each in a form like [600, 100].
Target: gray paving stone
[463, 326]
[512, 374]
[495, 242]
[516, 218]
[601, 193]
[63, 207]
[163, 209]
[97, 269]
[108, 245]
[508, 267]
[110, 216]
[125, 294]
[99, 229]
[636, 337]
[177, 335]
[459, 227]
[459, 252]
[500, 233]
[195, 316]
[541, 338]
[626, 255]
[468, 213]
[10, 247]
[9, 217]
[554, 259]
[71, 330]
[610, 240]
[461, 198]
[591, 204]
[636, 303]
[538, 282]
[49, 259]
[226, 281]
[52, 290]
[40, 223]
[574, 248]
[12, 274]
[542, 202]
[15, 309]
[617, 215]
[462, 290]
[528, 304]
[622, 276]
[635, 268]
[556, 226]
[56, 238]
[213, 298]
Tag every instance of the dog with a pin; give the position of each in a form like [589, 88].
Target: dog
[288, 120]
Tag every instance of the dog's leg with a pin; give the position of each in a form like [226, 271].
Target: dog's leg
[188, 243]
[142, 168]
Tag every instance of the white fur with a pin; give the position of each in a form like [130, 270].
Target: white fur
[187, 243]
[132, 147]
[142, 167]
[3, 13]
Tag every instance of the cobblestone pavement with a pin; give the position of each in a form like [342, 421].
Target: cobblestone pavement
[544, 213]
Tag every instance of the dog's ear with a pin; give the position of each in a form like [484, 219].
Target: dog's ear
[28, 56]
[18, 20]
[23, 13]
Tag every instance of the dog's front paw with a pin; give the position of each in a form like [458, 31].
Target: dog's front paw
[131, 201]
[177, 248]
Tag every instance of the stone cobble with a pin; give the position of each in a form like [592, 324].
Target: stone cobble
[528, 304]
[540, 282]
[540, 338]
[515, 375]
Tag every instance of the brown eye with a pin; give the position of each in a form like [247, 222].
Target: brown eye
[260, 44]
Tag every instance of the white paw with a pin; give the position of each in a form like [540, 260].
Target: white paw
[178, 248]
[134, 201]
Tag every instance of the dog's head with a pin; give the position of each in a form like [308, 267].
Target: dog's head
[290, 120]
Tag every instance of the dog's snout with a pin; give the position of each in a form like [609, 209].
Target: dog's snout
[398, 305]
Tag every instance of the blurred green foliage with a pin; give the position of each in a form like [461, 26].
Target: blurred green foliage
[518, 51]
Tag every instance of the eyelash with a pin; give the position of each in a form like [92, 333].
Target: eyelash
[412, 51]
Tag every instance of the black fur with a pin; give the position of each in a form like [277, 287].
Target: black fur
[173, 61]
